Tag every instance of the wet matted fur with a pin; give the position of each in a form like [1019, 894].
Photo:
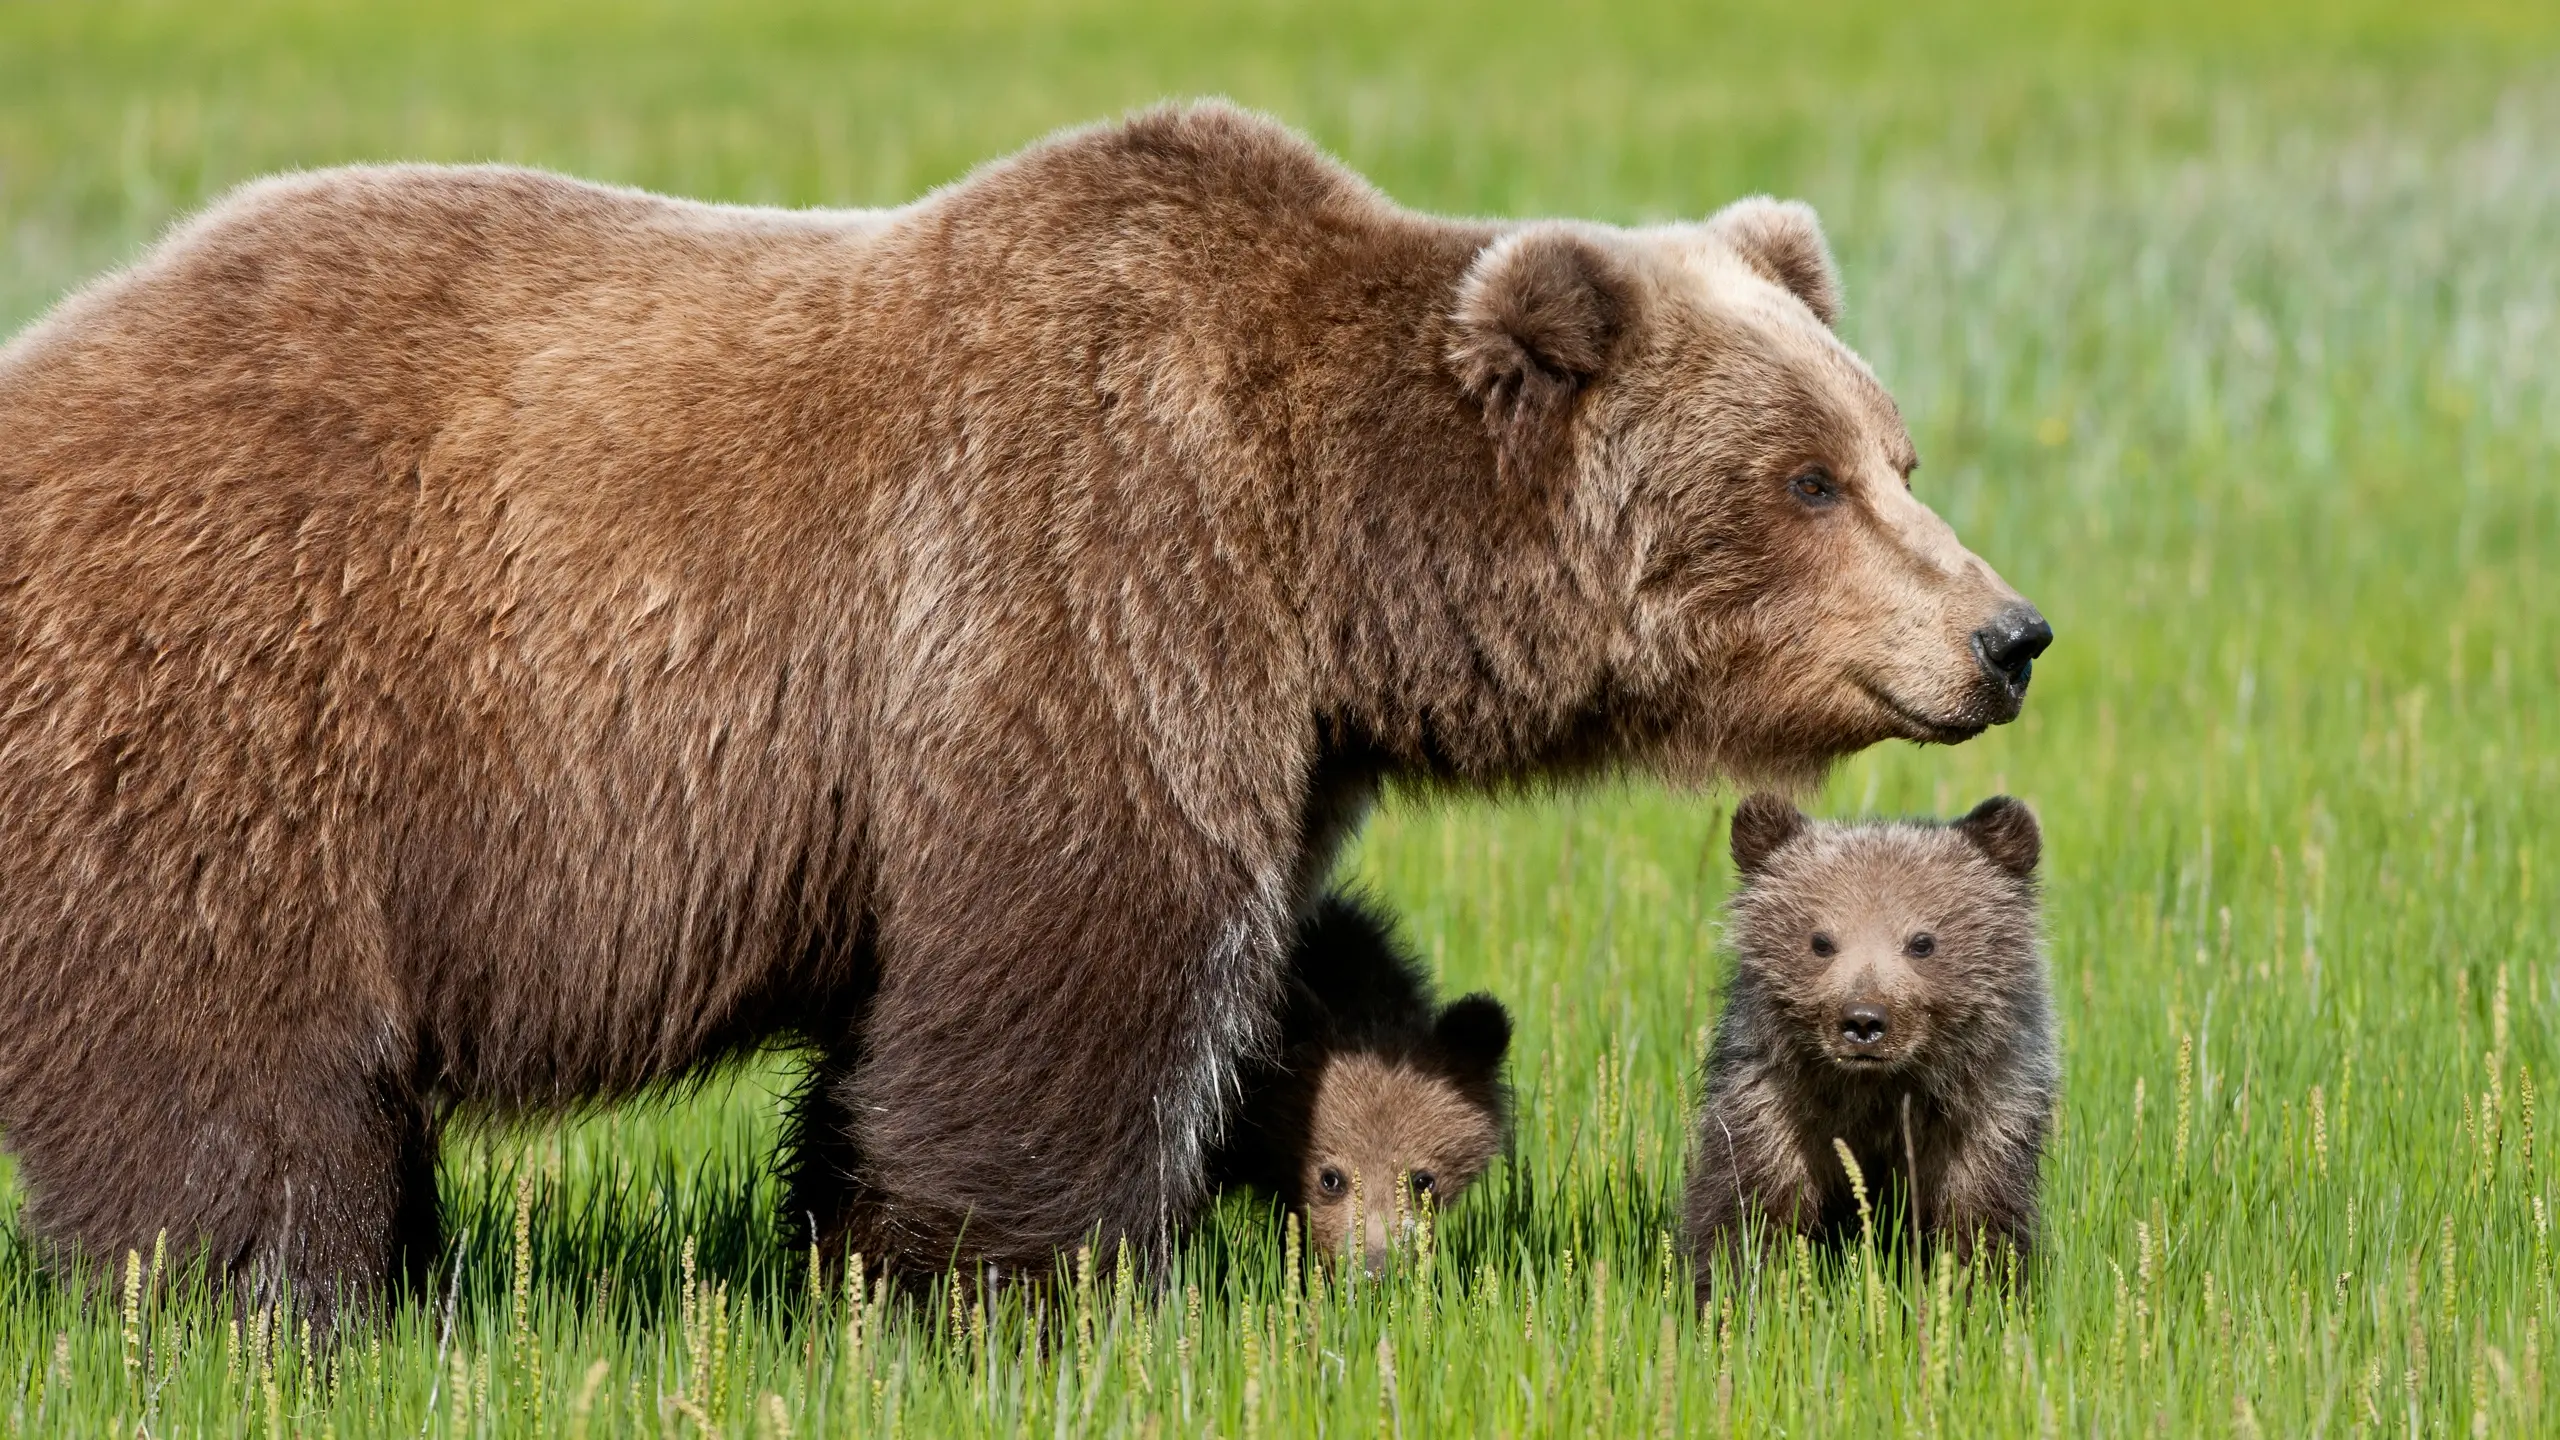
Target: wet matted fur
[473, 637]
[1890, 991]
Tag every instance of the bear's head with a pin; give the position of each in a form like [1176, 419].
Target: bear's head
[1889, 948]
[1387, 1127]
[1739, 484]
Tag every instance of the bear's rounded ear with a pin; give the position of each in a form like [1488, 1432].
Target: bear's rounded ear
[1761, 824]
[1537, 317]
[2005, 830]
[1782, 240]
[1476, 1032]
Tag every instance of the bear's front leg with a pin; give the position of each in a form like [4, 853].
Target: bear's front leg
[1986, 1201]
[1055, 1043]
[297, 1177]
[1749, 1187]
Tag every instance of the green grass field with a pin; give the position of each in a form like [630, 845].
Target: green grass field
[2229, 332]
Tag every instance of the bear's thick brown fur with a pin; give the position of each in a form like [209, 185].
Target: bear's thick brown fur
[475, 638]
[1889, 991]
[1379, 1094]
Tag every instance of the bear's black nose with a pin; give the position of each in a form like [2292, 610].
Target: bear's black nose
[1863, 1023]
[2009, 645]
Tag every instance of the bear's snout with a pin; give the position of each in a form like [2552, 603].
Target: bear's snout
[2007, 648]
[1863, 1024]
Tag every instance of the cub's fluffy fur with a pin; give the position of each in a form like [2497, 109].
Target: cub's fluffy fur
[474, 638]
[1375, 1087]
[1889, 990]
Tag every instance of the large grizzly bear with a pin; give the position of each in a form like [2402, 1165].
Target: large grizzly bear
[478, 639]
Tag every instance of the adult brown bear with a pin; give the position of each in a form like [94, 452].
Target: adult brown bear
[474, 638]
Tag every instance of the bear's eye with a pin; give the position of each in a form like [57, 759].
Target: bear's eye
[1823, 947]
[1329, 1180]
[1424, 1182]
[1922, 945]
[1815, 488]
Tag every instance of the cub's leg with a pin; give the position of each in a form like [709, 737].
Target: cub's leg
[1749, 1186]
[1987, 1195]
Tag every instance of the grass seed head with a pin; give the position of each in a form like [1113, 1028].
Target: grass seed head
[2320, 1131]
[133, 1314]
[2186, 1095]
[1857, 1186]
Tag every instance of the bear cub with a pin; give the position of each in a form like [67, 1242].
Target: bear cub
[1889, 992]
[1377, 1096]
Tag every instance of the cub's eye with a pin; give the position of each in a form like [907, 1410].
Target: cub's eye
[1814, 488]
[1424, 1182]
[1329, 1180]
[1823, 947]
[1922, 945]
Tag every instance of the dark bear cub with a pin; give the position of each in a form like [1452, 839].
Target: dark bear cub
[1889, 992]
[1378, 1095]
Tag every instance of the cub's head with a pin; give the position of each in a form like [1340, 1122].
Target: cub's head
[1882, 948]
[1741, 488]
[1386, 1127]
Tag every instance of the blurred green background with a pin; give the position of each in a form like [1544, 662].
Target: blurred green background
[2229, 332]
[113, 117]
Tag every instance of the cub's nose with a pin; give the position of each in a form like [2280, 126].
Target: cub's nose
[2009, 645]
[1863, 1023]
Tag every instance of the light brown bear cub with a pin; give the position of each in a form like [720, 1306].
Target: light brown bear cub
[1889, 993]
[1379, 1097]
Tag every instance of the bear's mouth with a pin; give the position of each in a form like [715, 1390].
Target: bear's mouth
[1867, 1062]
[1916, 726]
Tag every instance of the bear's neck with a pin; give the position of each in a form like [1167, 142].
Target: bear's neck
[1458, 627]
[1265, 340]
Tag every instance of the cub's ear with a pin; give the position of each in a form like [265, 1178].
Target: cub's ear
[1762, 824]
[1475, 1031]
[2005, 830]
[1783, 241]
[1537, 316]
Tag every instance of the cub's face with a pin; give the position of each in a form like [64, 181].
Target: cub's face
[1383, 1133]
[1885, 947]
[1792, 597]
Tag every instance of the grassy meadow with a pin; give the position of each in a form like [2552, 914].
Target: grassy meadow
[2230, 332]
